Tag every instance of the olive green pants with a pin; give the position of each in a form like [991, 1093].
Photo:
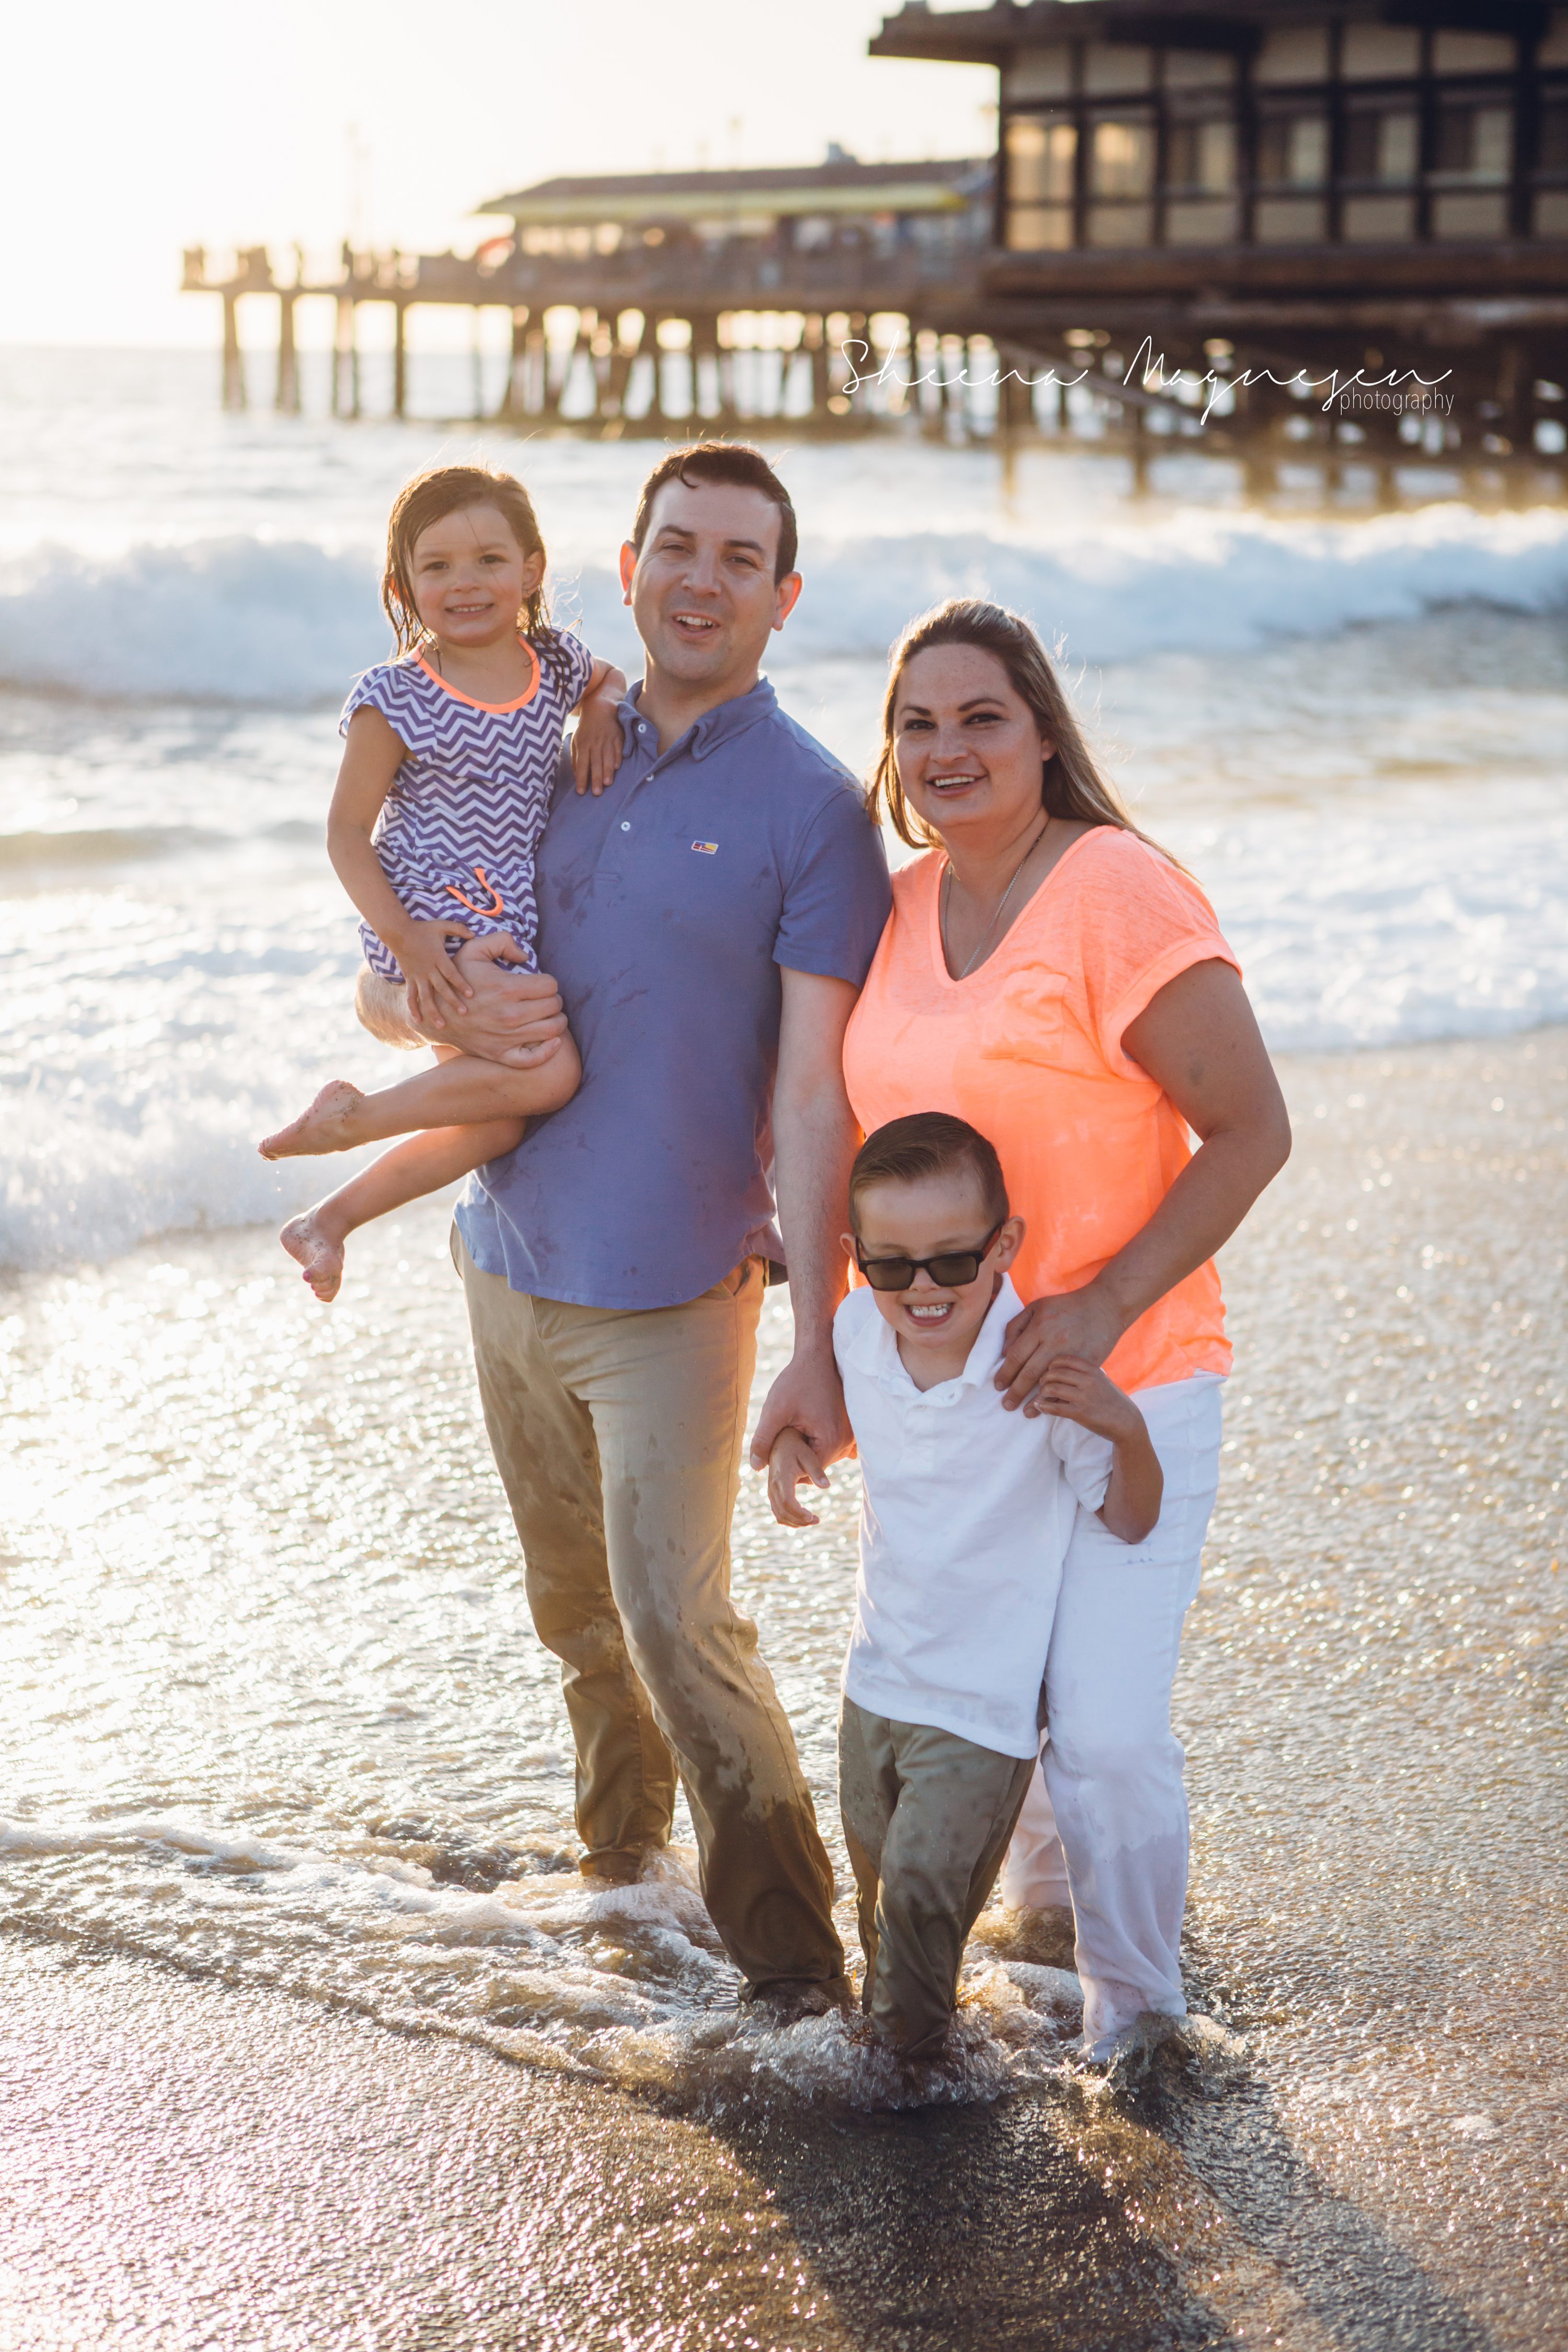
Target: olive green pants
[927, 1817]
[617, 1436]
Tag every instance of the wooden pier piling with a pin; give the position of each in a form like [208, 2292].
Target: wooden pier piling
[233, 360]
[287, 397]
[399, 357]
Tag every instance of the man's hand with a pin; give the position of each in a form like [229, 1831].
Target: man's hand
[814, 1137]
[808, 1397]
[791, 1461]
[1082, 1323]
[512, 1017]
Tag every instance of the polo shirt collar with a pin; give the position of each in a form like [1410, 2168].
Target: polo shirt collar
[720, 725]
[877, 1352]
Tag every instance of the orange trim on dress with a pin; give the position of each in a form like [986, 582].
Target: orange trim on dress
[498, 906]
[497, 710]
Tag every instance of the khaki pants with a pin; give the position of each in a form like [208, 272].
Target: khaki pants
[617, 1436]
[927, 1817]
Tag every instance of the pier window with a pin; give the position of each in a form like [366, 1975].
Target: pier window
[1200, 179]
[1551, 212]
[1473, 159]
[1292, 174]
[1378, 52]
[1042, 160]
[1121, 180]
[1366, 133]
[1382, 150]
[1473, 53]
[1038, 73]
[1293, 53]
[1112, 67]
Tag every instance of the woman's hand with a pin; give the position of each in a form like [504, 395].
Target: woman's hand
[597, 745]
[791, 1461]
[435, 988]
[1082, 1323]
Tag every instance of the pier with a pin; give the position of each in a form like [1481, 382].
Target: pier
[634, 301]
[1333, 236]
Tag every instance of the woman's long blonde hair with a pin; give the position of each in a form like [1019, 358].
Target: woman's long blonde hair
[1071, 784]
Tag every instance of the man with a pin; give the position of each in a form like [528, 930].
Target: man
[709, 921]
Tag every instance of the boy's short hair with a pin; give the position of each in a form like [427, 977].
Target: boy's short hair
[929, 1143]
[723, 461]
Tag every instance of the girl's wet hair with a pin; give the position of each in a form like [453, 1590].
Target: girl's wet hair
[1071, 784]
[429, 497]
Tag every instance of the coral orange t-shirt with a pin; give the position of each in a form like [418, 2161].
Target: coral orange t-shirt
[1028, 1050]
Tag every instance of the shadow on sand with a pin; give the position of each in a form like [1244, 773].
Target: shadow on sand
[1082, 2220]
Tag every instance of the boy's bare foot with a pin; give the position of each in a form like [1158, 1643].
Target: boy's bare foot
[317, 1244]
[325, 1127]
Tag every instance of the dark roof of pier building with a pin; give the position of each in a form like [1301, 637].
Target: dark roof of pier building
[990, 35]
[839, 185]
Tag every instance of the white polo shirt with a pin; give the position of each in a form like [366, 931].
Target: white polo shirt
[966, 1521]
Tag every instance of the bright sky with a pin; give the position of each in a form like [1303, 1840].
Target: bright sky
[126, 133]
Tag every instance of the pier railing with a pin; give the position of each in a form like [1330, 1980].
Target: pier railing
[744, 273]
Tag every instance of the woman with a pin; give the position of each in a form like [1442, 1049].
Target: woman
[1050, 975]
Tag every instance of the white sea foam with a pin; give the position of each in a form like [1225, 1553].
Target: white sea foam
[1378, 932]
[288, 622]
[1199, 580]
[627, 1984]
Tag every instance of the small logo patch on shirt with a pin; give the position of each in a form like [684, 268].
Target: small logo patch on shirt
[706, 849]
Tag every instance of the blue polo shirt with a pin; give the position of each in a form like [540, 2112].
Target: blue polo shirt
[666, 910]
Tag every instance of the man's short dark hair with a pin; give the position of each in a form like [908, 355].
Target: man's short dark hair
[723, 461]
[929, 1143]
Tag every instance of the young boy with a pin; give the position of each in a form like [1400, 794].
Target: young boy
[967, 1514]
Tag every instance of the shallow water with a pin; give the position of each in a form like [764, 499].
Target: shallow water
[276, 1721]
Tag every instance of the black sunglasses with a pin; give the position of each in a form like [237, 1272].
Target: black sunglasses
[949, 1272]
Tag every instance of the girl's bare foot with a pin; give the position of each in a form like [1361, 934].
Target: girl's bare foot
[327, 1126]
[317, 1244]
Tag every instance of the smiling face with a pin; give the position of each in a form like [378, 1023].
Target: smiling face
[471, 578]
[969, 749]
[702, 590]
[927, 1217]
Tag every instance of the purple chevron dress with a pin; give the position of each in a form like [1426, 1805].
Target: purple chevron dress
[457, 832]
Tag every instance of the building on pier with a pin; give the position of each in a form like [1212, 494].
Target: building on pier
[687, 287]
[1281, 184]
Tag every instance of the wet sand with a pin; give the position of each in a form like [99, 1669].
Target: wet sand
[1372, 1699]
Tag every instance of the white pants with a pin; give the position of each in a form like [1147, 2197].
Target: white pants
[1104, 1826]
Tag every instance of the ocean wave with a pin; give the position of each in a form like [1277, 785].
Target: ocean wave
[223, 620]
[1197, 582]
[251, 620]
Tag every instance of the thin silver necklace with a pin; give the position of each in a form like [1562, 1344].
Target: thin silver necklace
[984, 940]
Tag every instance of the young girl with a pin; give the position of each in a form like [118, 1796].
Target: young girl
[450, 761]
